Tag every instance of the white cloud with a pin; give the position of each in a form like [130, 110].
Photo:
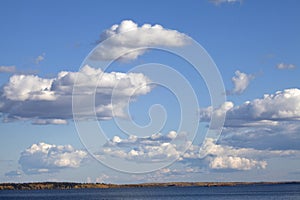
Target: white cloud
[271, 122]
[46, 158]
[28, 87]
[285, 66]
[161, 148]
[283, 105]
[228, 157]
[7, 69]
[102, 178]
[221, 156]
[49, 121]
[234, 162]
[218, 2]
[155, 148]
[49, 100]
[218, 113]
[272, 108]
[240, 81]
[39, 59]
[126, 37]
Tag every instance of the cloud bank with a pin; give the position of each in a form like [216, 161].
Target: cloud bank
[214, 157]
[210, 156]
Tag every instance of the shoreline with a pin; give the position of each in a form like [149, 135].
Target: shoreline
[74, 185]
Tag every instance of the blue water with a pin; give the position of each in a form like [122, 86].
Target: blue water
[261, 192]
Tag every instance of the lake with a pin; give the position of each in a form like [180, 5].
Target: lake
[260, 192]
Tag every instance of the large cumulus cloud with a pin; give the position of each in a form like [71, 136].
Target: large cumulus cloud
[125, 39]
[49, 100]
[270, 122]
[272, 108]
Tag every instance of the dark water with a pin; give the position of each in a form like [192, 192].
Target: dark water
[261, 192]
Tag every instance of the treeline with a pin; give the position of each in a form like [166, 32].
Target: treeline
[70, 185]
[50, 186]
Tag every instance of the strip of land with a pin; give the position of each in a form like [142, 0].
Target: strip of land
[70, 185]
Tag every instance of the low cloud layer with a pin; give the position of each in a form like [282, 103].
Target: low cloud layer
[47, 158]
[212, 156]
[49, 100]
[125, 39]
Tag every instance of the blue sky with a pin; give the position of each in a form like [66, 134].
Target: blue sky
[254, 45]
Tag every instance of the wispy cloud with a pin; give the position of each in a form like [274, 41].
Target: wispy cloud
[39, 59]
[218, 2]
[7, 69]
[282, 66]
[14, 173]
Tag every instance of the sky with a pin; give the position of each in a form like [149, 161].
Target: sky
[149, 91]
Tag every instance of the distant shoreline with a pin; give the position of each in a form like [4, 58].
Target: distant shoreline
[73, 185]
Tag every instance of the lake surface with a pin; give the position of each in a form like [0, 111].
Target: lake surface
[260, 192]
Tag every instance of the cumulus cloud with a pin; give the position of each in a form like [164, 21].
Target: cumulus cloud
[28, 87]
[270, 122]
[218, 113]
[218, 2]
[127, 37]
[7, 69]
[222, 156]
[49, 100]
[209, 156]
[240, 81]
[155, 148]
[272, 108]
[285, 66]
[283, 105]
[47, 158]
[227, 157]
[234, 162]
[39, 59]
